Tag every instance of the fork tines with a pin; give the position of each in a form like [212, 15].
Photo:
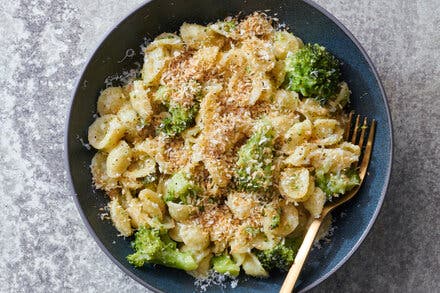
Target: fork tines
[355, 132]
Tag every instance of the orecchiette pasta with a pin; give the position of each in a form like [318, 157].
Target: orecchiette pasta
[152, 203]
[154, 62]
[316, 202]
[198, 36]
[181, 212]
[194, 236]
[288, 221]
[120, 218]
[213, 156]
[130, 183]
[111, 100]
[141, 166]
[101, 178]
[118, 159]
[166, 40]
[261, 89]
[202, 270]
[281, 124]
[299, 155]
[138, 216]
[334, 159]
[252, 266]
[264, 242]
[298, 134]
[239, 242]
[296, 183]
[147, 209]
[327, 131]
[286, 101]
[139, 99]
[130, 121]
[284, 43]
[279, 73]
[313, 109]
[105, 132]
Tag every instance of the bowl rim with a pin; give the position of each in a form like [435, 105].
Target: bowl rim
[144, 283]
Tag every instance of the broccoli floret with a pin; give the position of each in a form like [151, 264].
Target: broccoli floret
[223, 264]
[254, 166]
[313, 72]
[179, 119]
[154, 246]
[180, 188]
[280, 257]
[335, 184]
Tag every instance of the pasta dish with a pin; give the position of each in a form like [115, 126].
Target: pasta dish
[225, 148]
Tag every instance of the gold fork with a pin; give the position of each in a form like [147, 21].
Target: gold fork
[309, 238]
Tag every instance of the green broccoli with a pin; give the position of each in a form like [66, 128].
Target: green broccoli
[313, 72]
[280, 257]
[223, 264]
[335, 184]
[154, 246]
[180, 188]
[253, 170]
[179, 119]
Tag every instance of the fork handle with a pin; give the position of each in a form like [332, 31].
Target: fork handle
[301, 256]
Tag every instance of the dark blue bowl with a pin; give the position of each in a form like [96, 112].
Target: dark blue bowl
[308, 21]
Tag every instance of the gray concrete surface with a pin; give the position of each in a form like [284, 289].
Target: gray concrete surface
[44, 247]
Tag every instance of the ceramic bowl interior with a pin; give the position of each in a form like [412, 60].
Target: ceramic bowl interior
[306, 20]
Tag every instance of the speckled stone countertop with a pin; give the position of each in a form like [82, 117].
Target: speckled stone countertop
[44, 246]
